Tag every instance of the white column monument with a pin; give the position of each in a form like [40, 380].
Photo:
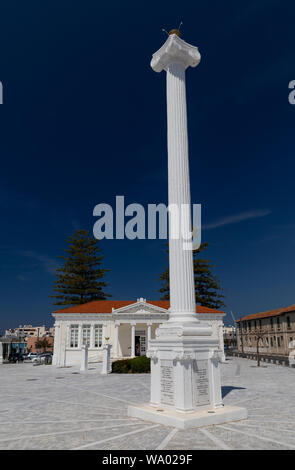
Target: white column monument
[185, 376]
[149, 334]
[84, 358]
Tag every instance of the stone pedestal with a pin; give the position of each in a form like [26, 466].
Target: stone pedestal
[84, 358]
[185, 373]
[185, 380]
[185, 376]
[106, 360]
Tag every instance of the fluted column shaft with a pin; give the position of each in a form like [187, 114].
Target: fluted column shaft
[182, 291]
[116, 340]
[132, 339]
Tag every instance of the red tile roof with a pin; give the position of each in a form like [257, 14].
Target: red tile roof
[106, 306]
[268, 313]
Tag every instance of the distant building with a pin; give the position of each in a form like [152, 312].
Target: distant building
[275, 327]
[23, 332]
[32, 344]
[24, 338]
[11, 346]
[229, 335]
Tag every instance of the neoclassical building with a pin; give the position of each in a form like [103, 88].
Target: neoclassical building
[127, 325]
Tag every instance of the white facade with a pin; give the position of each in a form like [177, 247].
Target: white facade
[128, 329]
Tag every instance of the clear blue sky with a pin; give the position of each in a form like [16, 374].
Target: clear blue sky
[84, 120]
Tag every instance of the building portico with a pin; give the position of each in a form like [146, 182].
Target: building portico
[132, 339]
[135, 326]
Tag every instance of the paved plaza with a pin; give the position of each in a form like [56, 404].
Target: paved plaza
[42, 407]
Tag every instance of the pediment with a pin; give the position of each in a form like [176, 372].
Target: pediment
[140, 307]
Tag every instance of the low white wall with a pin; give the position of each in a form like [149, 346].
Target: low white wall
[73, 357]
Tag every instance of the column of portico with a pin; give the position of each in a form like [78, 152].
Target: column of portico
[116, 349]
[56, 344]
[133, 339]
[64, 340]
[104, 334]
[149, 333]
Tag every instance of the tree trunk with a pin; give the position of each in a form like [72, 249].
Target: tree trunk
[258, 356]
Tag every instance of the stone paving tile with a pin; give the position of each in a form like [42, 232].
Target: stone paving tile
[72, 408]
[241, 442]
[147, 440]
[284, 437]
[70, 439]
[190, 440]
[33, 428]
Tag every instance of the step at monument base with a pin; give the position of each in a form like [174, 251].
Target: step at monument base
[197, 419]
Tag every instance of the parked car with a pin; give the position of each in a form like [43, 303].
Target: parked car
[44, 358]
[29, 356]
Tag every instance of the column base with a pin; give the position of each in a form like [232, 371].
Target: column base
[197, 419]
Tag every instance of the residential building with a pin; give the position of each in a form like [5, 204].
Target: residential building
[24, 338]
[229, 335]
[32, 343]
[23, 332]
[10, 346]
[275, 328]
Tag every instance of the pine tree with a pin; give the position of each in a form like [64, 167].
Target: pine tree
[207, 286]
[80, 279]
[164, 278]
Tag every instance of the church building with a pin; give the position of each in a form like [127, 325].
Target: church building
[126, 325]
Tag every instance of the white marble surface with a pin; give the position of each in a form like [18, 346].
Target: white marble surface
[43, 407]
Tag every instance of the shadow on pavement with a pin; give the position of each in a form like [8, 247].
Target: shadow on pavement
[225, 390]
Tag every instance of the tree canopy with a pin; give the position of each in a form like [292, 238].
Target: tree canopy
[80, 279]
[207, 286]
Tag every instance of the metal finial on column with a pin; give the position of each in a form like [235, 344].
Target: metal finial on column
[174, 31]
